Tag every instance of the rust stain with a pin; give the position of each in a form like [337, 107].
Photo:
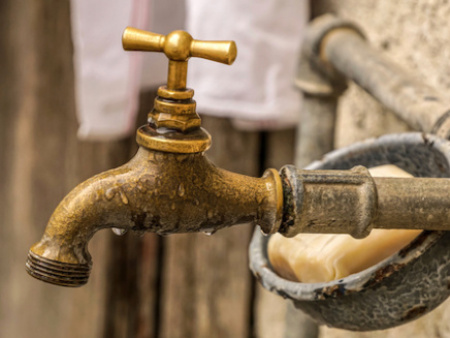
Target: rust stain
[414, 312]
[417, 242]
[383, 273]
[332, 291]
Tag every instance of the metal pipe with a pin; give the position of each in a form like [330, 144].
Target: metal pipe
[418, 203]
[352, 202]
[316, 129]
[339, 46]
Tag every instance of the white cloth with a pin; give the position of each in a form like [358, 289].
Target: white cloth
[107, 79]
[257, 89]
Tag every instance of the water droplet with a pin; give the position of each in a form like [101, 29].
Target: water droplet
[209, 231]
[119, 231]
[123, 197]
[109, 194]
[263, 233]
[181, 190]
[173, 206]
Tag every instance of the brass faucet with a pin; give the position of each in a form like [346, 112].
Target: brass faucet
[169, 186]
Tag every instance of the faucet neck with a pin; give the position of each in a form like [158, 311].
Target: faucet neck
[175, 114]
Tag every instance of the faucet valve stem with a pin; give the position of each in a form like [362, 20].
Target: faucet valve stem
[174, 108]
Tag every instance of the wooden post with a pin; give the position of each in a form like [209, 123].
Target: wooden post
[40, 161]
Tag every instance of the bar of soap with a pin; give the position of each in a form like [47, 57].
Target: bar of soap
[314, 258]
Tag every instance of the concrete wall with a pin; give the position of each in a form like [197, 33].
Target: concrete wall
[416, 35]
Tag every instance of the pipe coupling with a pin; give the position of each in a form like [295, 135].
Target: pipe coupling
[325, 201]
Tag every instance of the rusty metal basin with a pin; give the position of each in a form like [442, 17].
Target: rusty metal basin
[397, 290]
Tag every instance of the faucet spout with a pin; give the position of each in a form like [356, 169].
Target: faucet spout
[156, 191]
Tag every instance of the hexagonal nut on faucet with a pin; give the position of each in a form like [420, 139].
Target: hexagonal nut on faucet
[178, 122]
[174, 115]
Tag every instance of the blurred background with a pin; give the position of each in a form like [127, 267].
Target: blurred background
[181, 285]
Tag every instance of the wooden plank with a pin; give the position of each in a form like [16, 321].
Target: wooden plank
[41, 160]
[206, 281]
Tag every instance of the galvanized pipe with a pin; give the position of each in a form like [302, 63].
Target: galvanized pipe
[315, 135]
[339, 46]
[353, 202]
[417, 203]
[422, 106]
[317, 119]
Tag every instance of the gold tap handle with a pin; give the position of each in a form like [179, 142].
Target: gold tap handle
[178, 46]
[139, 40]
[219, 51]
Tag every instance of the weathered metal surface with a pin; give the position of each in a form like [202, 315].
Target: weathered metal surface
[325, 201]
[339, 47]
[158, 192]
[352, 202]
[318, 115]
[399, 289]
[312, 47]
[316, 128]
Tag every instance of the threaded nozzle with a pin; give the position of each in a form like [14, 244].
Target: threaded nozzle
[55, 272]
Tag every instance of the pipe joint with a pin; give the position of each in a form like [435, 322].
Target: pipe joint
[315, 75]
[325, 201]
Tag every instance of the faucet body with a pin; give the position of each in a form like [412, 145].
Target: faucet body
[160, 192]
